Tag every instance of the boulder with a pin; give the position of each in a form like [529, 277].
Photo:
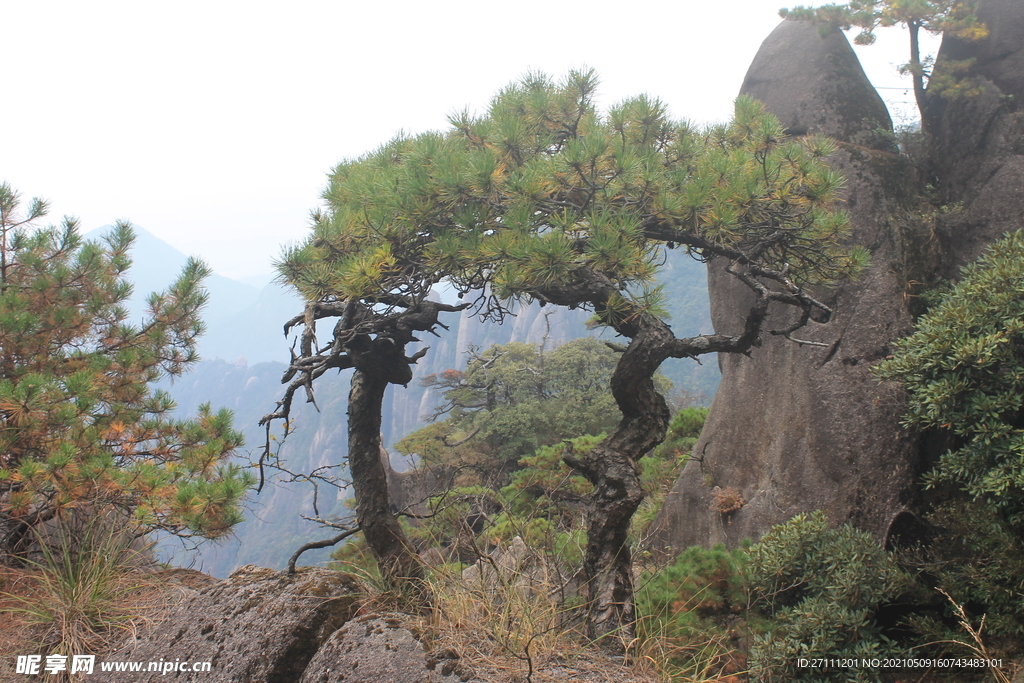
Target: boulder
[258, 626]
[798, 427]
[815, 84]
[379, 649]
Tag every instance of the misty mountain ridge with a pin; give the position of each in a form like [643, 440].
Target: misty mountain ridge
[241, 320]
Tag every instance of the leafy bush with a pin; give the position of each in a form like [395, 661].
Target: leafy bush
[978, 562]
[820, 589]
[963, 369]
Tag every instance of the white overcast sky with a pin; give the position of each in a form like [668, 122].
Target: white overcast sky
[213, 124]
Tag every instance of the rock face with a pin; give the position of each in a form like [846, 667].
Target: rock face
[258, 626]
[815, 85]
[977, 137]
[795, 427]
[798, 428]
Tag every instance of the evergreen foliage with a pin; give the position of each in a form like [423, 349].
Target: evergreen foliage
[978, 561]
[545, 199]
[79, 426]
[700, 583]
[963, 369]
[520, 199]
[820, 589]
[689, 611]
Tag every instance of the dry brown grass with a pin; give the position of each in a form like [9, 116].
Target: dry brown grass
[511, 625]
[18, 634]
[85, 590]
[40, 620]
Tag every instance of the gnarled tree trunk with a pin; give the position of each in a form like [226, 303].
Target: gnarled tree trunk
[613, 465]
[613, 469]
[398, 561]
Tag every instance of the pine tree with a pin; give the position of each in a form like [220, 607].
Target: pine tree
[80, 428]
[544, 199]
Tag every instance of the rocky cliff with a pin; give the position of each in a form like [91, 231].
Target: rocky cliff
[795, 428]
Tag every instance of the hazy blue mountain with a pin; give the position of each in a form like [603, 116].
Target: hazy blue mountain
[242, 320]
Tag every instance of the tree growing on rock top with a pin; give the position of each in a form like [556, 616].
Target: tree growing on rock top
[80, 429]
[953, 17]
[543, 198]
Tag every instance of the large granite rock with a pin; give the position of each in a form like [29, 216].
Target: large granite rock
[258, 626]
[795, 427]
[977, 137]
[815, 84]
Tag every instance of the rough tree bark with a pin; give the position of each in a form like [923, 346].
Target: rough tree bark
[398, 561]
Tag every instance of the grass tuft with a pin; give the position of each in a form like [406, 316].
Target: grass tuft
[83, 592]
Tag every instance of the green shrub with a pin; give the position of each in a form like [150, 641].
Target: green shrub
[701, 583]
[820, 589]
[963, 369]
[688, 613]
[978, 561]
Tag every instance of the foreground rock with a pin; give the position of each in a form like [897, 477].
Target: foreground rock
[258, 626]
[379, 649]
[263, 626]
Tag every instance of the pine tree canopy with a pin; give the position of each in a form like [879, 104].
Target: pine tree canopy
[80, 428]
[543, 197]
